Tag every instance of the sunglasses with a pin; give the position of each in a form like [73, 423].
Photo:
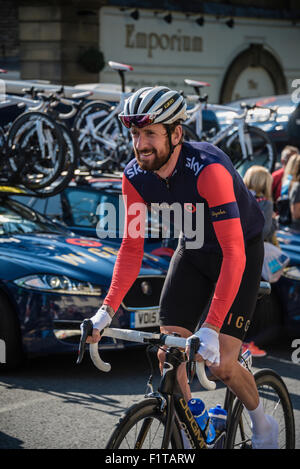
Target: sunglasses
[138, 120]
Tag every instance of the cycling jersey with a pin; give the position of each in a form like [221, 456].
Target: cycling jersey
[203, 174]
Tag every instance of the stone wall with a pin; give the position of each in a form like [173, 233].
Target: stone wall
[51, 40]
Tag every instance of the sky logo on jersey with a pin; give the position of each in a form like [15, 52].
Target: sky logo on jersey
[134, 170]
[194, 165]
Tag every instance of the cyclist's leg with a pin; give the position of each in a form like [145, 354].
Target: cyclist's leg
[234, 328]
[185, 295]
[181, 372]
[233, 374]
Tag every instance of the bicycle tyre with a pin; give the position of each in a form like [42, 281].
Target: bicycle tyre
[24, 155]
[264, 150]
[135, 415]
[93, 153]
[270, 387]
[71, 160]
[188, 134]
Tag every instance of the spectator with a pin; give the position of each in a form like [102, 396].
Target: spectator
[277, 175]
[259, 182]
[291, 186]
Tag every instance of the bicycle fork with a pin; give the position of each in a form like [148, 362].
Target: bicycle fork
[175, 404]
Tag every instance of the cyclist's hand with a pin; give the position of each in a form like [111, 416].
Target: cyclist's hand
[100, 320]
[209, 350]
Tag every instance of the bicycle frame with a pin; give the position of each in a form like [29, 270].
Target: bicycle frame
[171, 398]
[238, 125]
[103, 125]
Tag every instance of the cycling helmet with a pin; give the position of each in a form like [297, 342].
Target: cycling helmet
[153, 105]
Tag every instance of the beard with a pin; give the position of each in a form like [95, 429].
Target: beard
[154, 162]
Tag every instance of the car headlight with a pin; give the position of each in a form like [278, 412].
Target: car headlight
[58, 284]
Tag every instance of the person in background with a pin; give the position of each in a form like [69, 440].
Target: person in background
[291, 185]
[259, 181]
[277, 175]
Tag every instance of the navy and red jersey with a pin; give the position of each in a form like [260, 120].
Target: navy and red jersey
[232, 217]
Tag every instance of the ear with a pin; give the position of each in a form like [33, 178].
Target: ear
[177, 135]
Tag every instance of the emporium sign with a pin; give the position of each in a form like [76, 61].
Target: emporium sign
[154, 41]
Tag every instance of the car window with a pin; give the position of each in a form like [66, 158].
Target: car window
[16, 218]
[83, 207]
[51, 207]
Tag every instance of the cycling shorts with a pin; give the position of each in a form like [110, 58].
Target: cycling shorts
[190, 284]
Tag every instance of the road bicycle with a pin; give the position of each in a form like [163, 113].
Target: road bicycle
[51, 102]
[160, 420]
[246, 145]
[31, 150]
[104, 143]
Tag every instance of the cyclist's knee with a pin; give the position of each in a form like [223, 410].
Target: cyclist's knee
[161, 355]
[224, 371]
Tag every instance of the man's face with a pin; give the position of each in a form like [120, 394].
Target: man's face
[151, 146]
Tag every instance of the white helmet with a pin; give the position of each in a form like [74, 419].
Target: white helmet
[160, 105]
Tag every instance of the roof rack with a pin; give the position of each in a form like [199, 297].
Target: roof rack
[9, 189]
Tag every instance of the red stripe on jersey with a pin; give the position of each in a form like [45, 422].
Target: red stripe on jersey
[215, 184]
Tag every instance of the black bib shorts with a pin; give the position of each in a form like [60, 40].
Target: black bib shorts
[190, 285]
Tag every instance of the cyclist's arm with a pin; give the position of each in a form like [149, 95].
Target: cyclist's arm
[131, 252]
[215, 184]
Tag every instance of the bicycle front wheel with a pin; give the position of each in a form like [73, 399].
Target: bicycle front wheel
[143, 427]
[188, 134]
[71, 161]
[276, 402]
[35, 149]
[95, 128]
[263, 150]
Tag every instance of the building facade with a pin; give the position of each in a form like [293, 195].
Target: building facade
[244, 49]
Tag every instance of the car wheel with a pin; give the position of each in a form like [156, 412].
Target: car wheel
[11, 351]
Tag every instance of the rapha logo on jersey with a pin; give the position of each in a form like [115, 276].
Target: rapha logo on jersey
[194, 165]
[134, 170]
[218, 213]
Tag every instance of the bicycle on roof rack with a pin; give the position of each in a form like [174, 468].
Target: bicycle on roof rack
[49, 102]
[162, 420]
[245, 144]
[103, 142]
[31, 151]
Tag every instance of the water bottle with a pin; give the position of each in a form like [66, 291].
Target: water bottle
[197, 407]
[218, 418]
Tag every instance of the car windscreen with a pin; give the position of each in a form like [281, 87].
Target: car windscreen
[85, 206]
[88, 207]
[16, 219]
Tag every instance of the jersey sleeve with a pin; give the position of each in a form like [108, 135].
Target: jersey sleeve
[215, 185]
[130, 255]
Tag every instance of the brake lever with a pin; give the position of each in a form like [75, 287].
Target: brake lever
[86, 330]
[191, 365]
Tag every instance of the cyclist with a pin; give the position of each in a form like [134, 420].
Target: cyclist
[220, 278]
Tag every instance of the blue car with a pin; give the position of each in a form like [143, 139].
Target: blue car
[78, 208]
[51, 279]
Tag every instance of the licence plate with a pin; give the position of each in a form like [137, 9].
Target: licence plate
[144, 319]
